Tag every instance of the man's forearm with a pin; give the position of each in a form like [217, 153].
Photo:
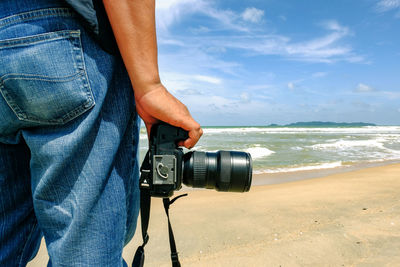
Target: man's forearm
[133, 24]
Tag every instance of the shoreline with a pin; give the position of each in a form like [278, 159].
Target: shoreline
[261, 179]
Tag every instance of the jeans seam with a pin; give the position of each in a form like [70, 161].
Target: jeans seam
[40, 77]
[43, 37]
[86, 82]
[26, 243]
[30, 15]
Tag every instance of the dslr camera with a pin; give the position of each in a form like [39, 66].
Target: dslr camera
[166, 166]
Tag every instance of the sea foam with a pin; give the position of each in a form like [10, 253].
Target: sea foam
[350, 144]
[327, 165]
[257, 152]
[291, 130]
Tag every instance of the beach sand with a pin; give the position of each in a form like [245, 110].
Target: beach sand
[345, 219]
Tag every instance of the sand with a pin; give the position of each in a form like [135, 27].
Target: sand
[345, 219]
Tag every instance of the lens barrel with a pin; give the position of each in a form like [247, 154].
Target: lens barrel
[228, 171]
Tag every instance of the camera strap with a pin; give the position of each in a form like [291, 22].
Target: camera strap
[145, 203]
[174, 254]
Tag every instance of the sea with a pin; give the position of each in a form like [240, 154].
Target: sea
[287, 150]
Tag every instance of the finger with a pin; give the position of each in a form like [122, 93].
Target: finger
[189, 143]
[181, 143]
[194, 136]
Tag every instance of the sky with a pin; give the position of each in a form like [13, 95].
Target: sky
[257, 62]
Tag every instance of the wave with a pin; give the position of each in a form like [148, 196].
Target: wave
[350, 144]
[257, 152]
[289, 130]
[326, 165]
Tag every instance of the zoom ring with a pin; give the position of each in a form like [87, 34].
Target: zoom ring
[199, 169]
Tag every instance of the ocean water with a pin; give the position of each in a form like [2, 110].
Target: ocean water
[282, 150]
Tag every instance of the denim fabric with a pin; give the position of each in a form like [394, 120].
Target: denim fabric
[68, 141]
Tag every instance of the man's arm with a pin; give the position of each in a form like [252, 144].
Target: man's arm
[133, 24]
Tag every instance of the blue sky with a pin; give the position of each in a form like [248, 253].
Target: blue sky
[273, 61]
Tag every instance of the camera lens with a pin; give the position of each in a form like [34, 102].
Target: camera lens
[228, 171]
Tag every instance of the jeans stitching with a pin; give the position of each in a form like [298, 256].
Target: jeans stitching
[40, 77]
[86, 83]
[15, 109]
[40, 13]
[34, 39]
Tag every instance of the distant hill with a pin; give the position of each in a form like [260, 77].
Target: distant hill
[323, 124]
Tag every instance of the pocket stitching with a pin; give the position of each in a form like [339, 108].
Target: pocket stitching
[34, 39]
[14, 107]
[79, 64]
[31, 15]
[89, 93]
[22, 76]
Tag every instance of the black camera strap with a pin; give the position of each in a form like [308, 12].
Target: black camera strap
[145, 203]
[174, 254]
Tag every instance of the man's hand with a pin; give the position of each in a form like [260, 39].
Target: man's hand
[158, 104]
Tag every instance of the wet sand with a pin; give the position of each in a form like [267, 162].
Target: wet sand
[344, 219]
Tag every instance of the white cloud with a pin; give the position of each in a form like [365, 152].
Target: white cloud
[171, 11]
[201, 30]
[363, 88]
[177, 81]
[290, 85]
[187, 92]
[223, 110]
[208, 79]
[319, 74]
[386, 5]
[165, 41]
[391, 94]
[252, 14]
[245, 97]
[194, 60]
[324, 48]
[328, 48]
[334, 26]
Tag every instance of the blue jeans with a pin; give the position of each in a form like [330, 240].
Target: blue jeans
[69, 136]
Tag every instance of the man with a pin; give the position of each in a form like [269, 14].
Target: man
[69, 127]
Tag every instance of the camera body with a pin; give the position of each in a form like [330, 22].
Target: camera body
[163, 163]
[166, 166]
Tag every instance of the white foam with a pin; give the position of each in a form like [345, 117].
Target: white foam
[257, 152]
[289, 130]
[349, 144]
[297, 148]
[327, 165]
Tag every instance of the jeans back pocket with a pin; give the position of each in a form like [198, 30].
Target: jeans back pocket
[43, 77]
